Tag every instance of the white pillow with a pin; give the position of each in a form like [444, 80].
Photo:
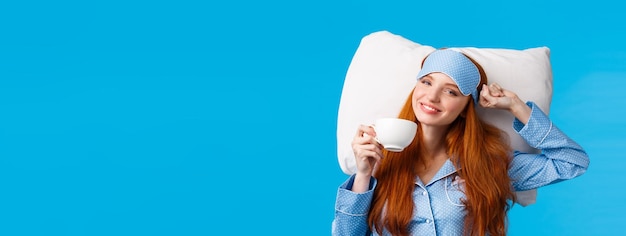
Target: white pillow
[382, 74]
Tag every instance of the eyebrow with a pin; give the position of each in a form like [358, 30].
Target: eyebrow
[446, 84]
[452, 84]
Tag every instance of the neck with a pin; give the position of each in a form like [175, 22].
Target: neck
[434, 147]
[434, 142]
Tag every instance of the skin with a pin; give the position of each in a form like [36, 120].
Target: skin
[437, 102]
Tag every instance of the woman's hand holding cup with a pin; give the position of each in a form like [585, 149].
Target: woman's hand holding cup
[367, 151]
[393, 134]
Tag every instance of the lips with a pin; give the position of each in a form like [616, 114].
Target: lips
[429, 109]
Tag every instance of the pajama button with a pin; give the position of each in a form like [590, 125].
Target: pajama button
[424, 193]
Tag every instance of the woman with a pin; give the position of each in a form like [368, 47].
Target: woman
[459, 175]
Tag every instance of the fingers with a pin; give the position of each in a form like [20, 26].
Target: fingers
[486, 99]
[367, 158]
[367, 151]
[365, 139]
[365, 135]
[494, 96]
[495, 90]
[365, 129]
[491, 94]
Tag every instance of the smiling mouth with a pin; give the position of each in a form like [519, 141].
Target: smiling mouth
[429, 108]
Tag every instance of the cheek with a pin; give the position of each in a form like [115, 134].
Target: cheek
[416, 94]
[414, 98]
[457, 106]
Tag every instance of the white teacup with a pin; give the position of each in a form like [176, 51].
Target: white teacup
[395, 134]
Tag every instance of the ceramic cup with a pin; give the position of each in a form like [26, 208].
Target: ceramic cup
[395, 134]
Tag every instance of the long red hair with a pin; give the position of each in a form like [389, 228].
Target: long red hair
[481, 154]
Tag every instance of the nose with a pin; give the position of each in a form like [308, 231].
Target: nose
[433, 95]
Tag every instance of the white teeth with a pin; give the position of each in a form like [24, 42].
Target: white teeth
[429, 108]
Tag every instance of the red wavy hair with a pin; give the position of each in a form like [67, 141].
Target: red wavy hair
[481, 155]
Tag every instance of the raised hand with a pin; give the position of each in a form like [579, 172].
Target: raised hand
[494, 96]
[367, 153]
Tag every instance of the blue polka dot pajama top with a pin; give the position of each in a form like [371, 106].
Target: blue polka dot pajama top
[438, 208]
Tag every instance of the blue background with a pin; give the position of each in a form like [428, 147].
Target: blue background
[211, 117]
